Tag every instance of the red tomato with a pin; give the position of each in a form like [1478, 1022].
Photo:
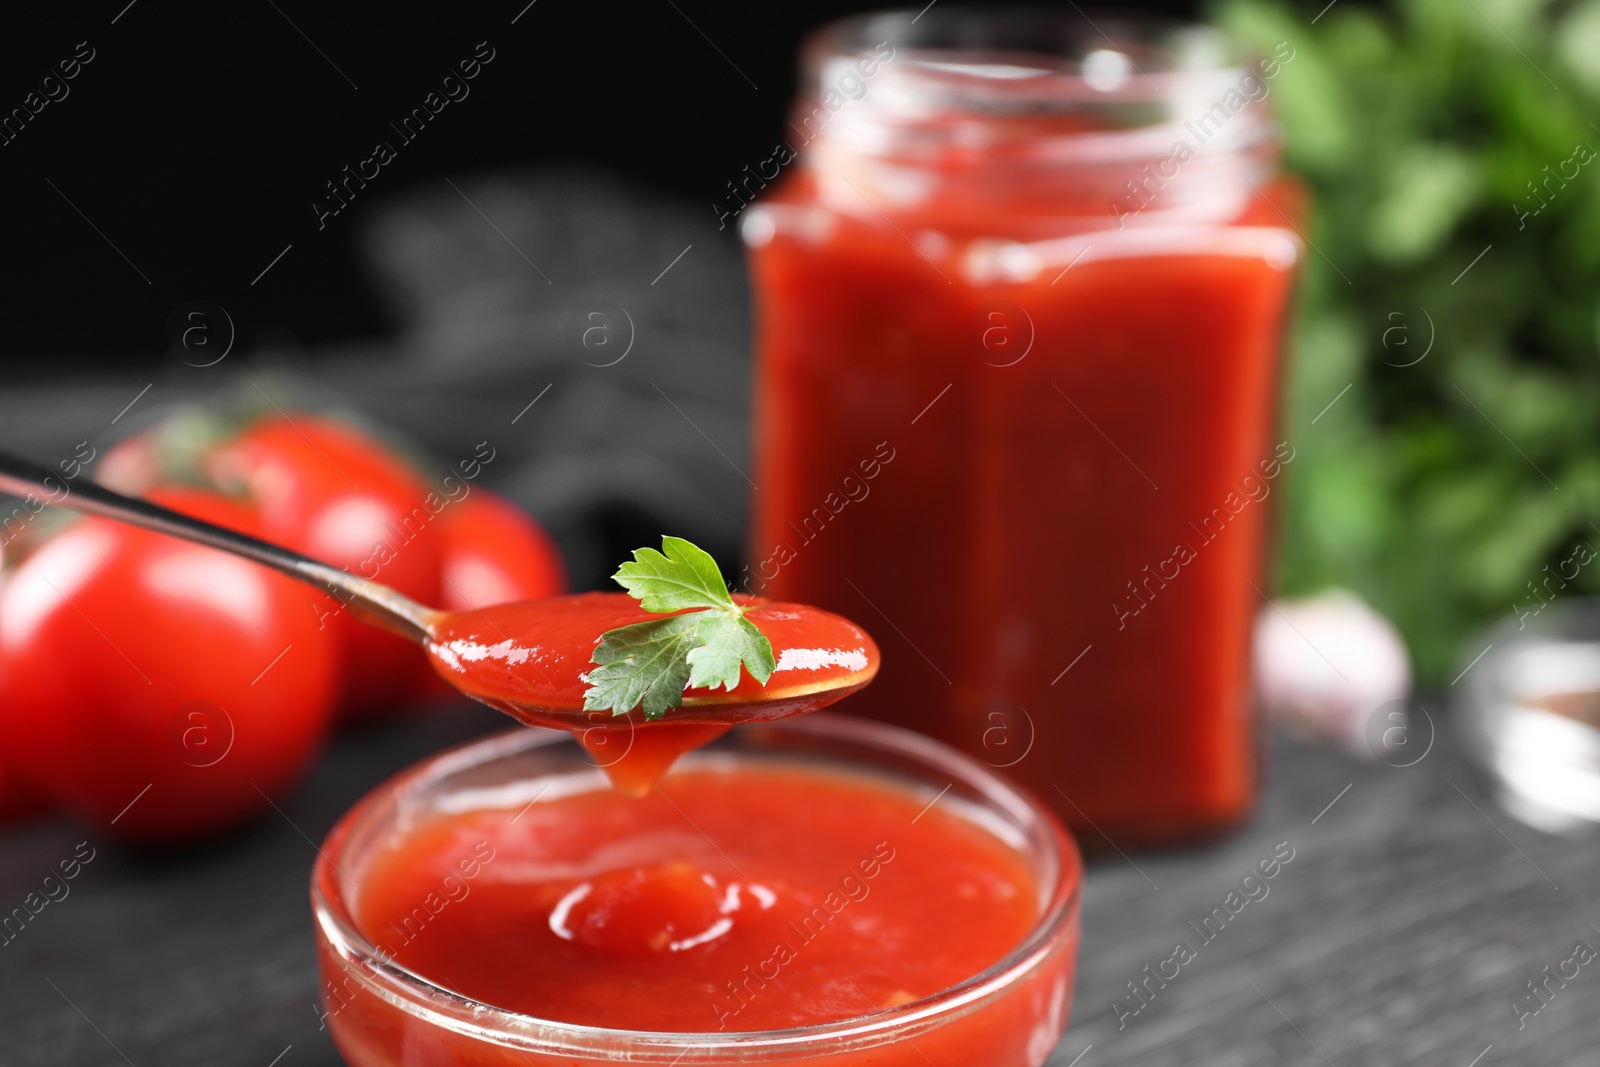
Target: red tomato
[333, 493]
[493, 552]
[161, 690]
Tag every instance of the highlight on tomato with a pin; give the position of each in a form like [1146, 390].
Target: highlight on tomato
[493, 553]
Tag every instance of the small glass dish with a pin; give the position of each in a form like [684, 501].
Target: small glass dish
[1530, 711]
[1010, 1015]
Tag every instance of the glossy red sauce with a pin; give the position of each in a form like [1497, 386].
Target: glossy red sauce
[1056, 540]
[529, 659]
[729, 899]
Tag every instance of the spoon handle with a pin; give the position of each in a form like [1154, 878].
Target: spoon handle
[371, 601]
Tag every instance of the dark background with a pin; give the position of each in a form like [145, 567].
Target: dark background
[199, 135]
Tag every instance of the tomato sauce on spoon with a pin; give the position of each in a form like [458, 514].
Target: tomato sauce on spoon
[529, 659]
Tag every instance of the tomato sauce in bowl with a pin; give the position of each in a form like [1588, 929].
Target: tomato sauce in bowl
[815, 888]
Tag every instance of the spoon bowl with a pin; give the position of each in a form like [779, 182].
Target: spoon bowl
[528, 659]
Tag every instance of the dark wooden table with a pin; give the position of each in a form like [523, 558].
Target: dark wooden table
[1410, 917]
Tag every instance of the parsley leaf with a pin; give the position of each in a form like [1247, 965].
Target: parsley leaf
[648, 665]
[685, 576]
[728, 642]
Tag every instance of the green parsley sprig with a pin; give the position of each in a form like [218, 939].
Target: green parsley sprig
[649, 664]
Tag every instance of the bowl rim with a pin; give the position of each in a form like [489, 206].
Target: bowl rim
[416, 995]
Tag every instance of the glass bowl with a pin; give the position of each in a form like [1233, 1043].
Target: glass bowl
[1012, 1014]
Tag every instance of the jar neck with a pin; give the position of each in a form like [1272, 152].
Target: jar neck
[985, 135]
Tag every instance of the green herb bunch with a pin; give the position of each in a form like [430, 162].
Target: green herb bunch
[1454, 287]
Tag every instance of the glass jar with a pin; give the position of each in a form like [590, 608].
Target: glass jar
[381, 1014]
[1019, 312]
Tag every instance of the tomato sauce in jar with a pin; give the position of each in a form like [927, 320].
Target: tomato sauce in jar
[1019, 314]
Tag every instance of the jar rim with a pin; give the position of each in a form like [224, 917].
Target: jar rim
[415, 994]
[1125, 71]
[1059, 116]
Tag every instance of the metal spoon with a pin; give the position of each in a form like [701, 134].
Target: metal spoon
[822, 656]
